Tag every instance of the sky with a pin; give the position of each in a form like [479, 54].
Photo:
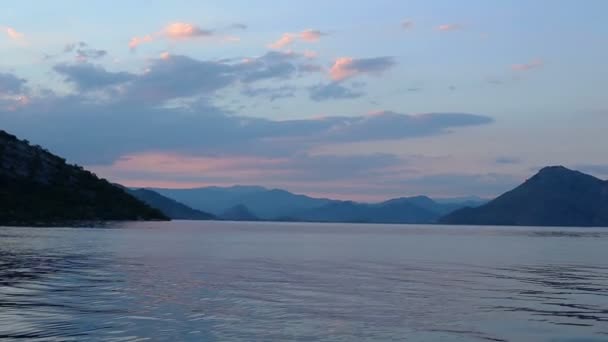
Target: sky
[362, 100]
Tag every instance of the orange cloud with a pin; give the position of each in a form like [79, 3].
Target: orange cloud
[449, 27]
[534, 64]
[288, 38]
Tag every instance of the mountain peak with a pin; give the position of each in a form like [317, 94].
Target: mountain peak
[558, 170]
[555, 196]
[562, 174]
[554, 168]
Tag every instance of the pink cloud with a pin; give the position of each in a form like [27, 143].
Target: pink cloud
[288, 38]
[180, 30]
[179, 164]
[14, 34]
[347, 67]
[136, 41]
[342, 69]
[534, 64]
[173, 31]
[311, 35]
[449, 27]
[151, 183]
[285, 40]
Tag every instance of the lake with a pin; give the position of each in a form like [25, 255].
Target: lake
[226, 281]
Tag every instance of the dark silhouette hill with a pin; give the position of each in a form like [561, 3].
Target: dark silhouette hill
[39, 188]
[555, 196]
[171, 208]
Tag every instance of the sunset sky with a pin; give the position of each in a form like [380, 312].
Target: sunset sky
[362, 100]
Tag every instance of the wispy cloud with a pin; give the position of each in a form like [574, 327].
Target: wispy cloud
[269, 93]
[506, 160]
[84, 52]
[238, 26]
[347, 67]
[407, 24]
[137, 41]
[534, 64]
[285, 40]
[449, 27]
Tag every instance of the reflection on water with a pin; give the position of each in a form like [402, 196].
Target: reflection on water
[273, 282]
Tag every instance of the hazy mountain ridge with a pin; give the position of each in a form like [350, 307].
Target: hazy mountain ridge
[213, 199]
[268, 204]
[40, 188]
[275, 204]
[386, 212]
[171, 208]
[555, 196]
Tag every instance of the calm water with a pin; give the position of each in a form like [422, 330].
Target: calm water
[188, 281]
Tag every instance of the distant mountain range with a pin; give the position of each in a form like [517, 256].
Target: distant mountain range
[268, 204]
[555, 196]
[39, 188]
[259, 203]
[168, 206]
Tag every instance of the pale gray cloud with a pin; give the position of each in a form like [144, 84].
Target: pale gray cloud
[507, 160]
[177, 76]
[83, 51]
[102, 132]
[86, 76]
[332, 91]
[11, 84]
[270, 93]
